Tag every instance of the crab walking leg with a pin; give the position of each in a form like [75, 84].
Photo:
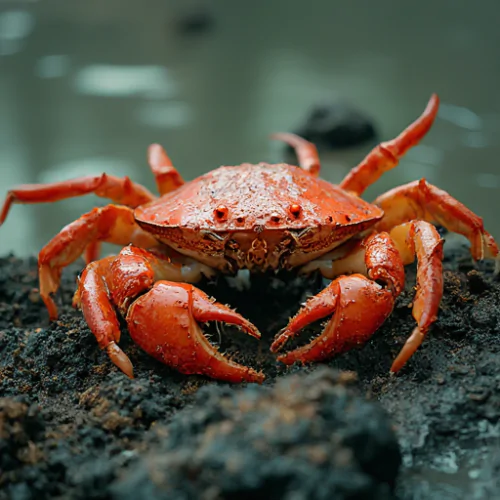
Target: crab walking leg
[135, 270]
[376, 256]
[386, 155]
[420, 239]
[306, 151]
[166, 175]
[93, 298]
[359, 304]
[421, 200]
[111, 224]
[118, 190]
[92, 252]
[164, 321]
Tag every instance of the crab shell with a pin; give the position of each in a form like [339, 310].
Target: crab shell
[256, 217]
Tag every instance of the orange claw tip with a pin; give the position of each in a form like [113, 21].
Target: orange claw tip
[288, 137]
[397, 365]
[248, 375]
[289, 358]
[255, 378]
[120, 359]
[306, 151]
[229, 371]
[6, 207]
[431, 109]
[280, 341]
[250, 329]
[158, 156]
[408, 350]
[205, 310]
[51, 308]
[434, 100]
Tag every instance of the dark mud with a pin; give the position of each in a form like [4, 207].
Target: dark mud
[71, 426]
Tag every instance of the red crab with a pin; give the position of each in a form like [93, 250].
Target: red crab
[256, 217]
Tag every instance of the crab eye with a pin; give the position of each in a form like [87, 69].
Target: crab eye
[221, 212]
[295, 209]
[275, 217]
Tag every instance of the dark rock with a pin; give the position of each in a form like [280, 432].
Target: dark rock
[195, 22]
[336, 125]
[307, 437]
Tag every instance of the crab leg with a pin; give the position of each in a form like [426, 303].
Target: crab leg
[166, 176]
[376, 257]
[135, 270]
[111, 224]
[118, 190]
[164, 321]
[386, 156]
[421, 200]
[93, 298]
[306, 151]
[420, 239]
[359, 305]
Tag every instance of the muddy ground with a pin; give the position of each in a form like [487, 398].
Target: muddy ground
[71, 426]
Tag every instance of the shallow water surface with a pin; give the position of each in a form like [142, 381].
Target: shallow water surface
[86, 87]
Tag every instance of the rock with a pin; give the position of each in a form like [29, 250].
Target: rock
[309, 436]
[195, 22]
[336, 125]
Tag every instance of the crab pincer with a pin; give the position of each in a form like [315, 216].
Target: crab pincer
[356, 307]
[165, 322]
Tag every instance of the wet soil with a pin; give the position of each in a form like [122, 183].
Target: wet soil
[71, 426]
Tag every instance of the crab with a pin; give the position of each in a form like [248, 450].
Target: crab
[263, 217]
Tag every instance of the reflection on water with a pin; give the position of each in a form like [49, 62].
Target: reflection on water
[460, 116]
[149, 82]
[173, 114]
[488, 181]
[15, 26]
[85, 89]
[53, 66]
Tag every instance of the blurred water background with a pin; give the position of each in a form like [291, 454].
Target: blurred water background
[86, 86]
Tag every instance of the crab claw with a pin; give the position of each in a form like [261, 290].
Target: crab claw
[165, 323]
[359, 307]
